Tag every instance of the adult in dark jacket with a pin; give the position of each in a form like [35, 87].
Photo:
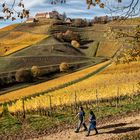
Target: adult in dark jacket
[81, 120]
[92, 123]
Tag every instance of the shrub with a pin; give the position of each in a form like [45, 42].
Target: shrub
[10, 78]
[23, 75]
[67, 36]
[59, 36]
[70, 35]
[79, 23]
[35, 71]
[64, 67]
[75, 44]
[1, 83]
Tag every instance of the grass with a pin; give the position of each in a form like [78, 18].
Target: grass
[9, 124]
[10, 27]
[61, 119]
[104, 48]
[17, 40]
[19, 36]
[105, 110]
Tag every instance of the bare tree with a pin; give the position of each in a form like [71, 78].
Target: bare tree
[9, 10]
[124, 8]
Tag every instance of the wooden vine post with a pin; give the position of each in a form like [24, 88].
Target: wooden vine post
[133, 92]
[117, 98]
[23, 108]
[75, 101]
[50, 101]
[97, 100]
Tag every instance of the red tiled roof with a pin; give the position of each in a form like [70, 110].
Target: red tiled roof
[41, 14]
[30, 19]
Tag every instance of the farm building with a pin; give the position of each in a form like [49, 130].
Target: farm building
[68, 20]
[48, 15]
[31, 20]
[41, 16]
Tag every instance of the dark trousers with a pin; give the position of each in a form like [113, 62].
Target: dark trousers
[80, 123]
[91, 127]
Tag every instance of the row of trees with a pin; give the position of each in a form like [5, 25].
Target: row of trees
[22, 75]
[27, 75]
[70, 37]
[80, 23]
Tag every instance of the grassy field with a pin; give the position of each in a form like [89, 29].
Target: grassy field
[35, 125]
[16, 41]
[19, 36]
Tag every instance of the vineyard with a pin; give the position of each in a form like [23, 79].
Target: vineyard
[17, 40]
[36, 89]
[27, 62]
[114, 81]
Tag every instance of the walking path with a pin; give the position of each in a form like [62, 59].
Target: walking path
[107, 131]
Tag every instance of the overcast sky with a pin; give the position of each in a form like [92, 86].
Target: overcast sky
[73, 9]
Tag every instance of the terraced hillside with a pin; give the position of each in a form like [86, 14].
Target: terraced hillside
[13, 40]
[28, 44]
[101, 86]
[36, 41]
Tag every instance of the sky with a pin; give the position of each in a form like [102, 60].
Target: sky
[73, 9]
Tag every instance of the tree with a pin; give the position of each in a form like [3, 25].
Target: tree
[64, 16]
[35, 71]
[23, 75]
[79, 23]
[9, 11]
[64, 67]
[68, 36]
[75, 44]
[129, 40]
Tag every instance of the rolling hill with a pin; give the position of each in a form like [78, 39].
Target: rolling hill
[25, 45]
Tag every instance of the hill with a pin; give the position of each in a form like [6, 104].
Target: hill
[45, 107]
[35, 44]
[13, 39]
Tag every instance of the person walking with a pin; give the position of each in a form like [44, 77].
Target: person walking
[81, 120]
[92, 123]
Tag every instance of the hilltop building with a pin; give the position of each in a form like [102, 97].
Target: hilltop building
[43, 16]
[31, 20]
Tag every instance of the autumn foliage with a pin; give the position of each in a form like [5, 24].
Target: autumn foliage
[75, 44]
[68, 36]
[23, 75]
[64, 67]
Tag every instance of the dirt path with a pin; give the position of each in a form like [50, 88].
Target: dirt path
[106, 131]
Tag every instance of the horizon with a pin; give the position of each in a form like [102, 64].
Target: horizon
[72, 8]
